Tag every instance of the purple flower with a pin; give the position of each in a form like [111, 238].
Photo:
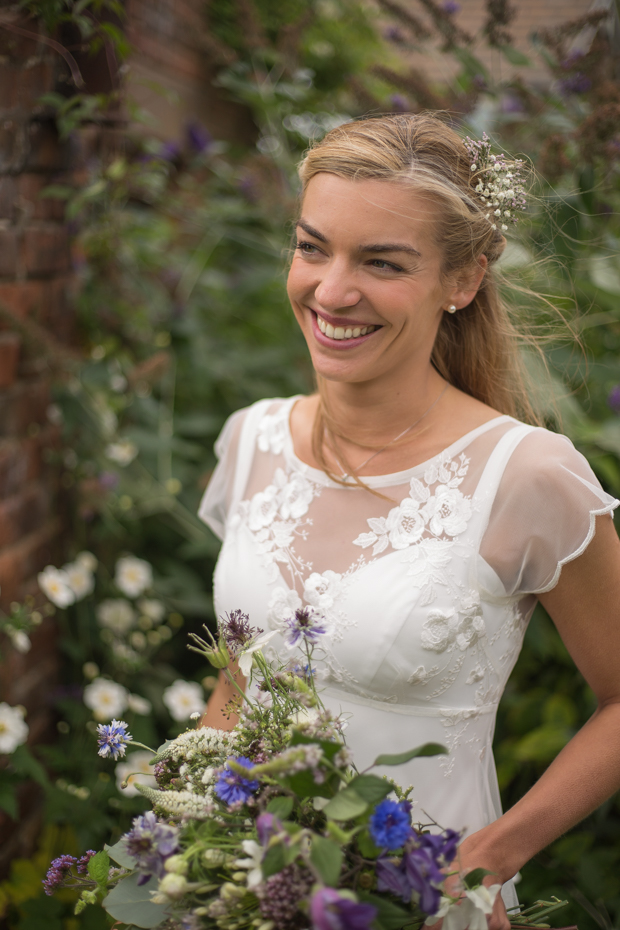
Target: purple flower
[170, 151]
[398, 102]
[576, 83]
[613, 398]
[108, 480]
[392, 877]
[330, 911]
[232, 788]
[112, 739]
[199, 138]
[390, 825]
[305, 625]
[443, 845]
[150, 843]
[424, 877]
[450, 7]
[236, 630]
[82, 865]
[267, 825]
[57, 872]
[394, 34]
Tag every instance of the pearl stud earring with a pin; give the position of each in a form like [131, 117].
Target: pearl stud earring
[451, 309]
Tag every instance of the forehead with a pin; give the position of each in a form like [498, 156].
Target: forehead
[345, 207]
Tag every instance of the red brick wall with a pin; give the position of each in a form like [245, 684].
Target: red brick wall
[35, 310]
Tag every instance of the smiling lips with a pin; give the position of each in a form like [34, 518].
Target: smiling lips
[339, 333]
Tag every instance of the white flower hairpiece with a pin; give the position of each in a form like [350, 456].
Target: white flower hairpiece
[500, 182]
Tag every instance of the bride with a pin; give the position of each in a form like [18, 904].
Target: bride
[408, 501]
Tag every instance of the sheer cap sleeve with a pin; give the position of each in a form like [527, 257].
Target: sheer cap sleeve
[216, 500]
[543, 514]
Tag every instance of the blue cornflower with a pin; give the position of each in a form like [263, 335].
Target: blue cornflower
[390, 825]
[306, 624]
[231, 787]
[150, 843]
[112, 739]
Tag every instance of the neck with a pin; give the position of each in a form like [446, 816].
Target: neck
[371, 413]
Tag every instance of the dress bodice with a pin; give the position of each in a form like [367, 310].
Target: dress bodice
[426, 581]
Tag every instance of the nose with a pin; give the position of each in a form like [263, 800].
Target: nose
[336, 287]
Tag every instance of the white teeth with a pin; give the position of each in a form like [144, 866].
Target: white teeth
[339, 332]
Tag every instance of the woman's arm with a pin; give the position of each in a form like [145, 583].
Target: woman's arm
[585, 607]
[216, 715]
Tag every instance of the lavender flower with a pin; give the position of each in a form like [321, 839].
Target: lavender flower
[450, 7]
[390, 825]
[57, 872]
[232, 788]
[330, 911]
[112, 739]
[150, 843]
[82, 865]
[305, 625]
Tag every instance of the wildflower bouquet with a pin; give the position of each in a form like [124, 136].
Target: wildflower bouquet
[269, 825]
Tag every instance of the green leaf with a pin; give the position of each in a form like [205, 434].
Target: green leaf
[274, 861]
[514, 56]
[25, 763]
[98, 867]
[366, 845]
[345, 806]
[371, 788]
[8, 801]
[326, 857]
[119, 853]
[390, 916]
[474, 878]
[428, 749]
[280, 807]
[132, 904]
[158, 757]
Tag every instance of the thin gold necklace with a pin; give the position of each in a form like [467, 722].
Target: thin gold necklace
[345, 477]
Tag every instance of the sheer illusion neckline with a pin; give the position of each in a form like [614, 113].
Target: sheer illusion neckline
[380, 481]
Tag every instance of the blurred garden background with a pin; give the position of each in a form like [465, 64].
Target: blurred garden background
[147, 188]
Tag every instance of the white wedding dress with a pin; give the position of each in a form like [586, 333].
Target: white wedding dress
[426, 590]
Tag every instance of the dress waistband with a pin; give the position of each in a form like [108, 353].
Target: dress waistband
[411, 710]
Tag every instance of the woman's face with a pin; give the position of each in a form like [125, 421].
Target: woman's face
[365, 281]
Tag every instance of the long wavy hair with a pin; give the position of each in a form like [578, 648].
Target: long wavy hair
[476, 349]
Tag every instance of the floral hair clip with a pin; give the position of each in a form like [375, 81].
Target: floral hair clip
[500, 184]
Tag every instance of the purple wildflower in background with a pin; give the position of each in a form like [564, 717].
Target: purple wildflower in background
[577, 83]
[150, 843]
[305, 625]
[613, 398]
[170, 151]
[394, 34]
[400, 103]
[232, 788]
[390, 825]
[450, 7]
[82, 865]
[112, 739]
[198, 136]
[57, 872]
[330, 911]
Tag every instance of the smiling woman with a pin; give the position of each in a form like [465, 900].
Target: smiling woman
[405, 506]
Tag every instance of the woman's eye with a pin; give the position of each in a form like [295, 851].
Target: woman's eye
[306, 248]
[383, 265]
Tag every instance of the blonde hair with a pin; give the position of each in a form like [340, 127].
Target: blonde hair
[477, 348]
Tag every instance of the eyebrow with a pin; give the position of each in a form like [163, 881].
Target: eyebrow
[378, 247]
